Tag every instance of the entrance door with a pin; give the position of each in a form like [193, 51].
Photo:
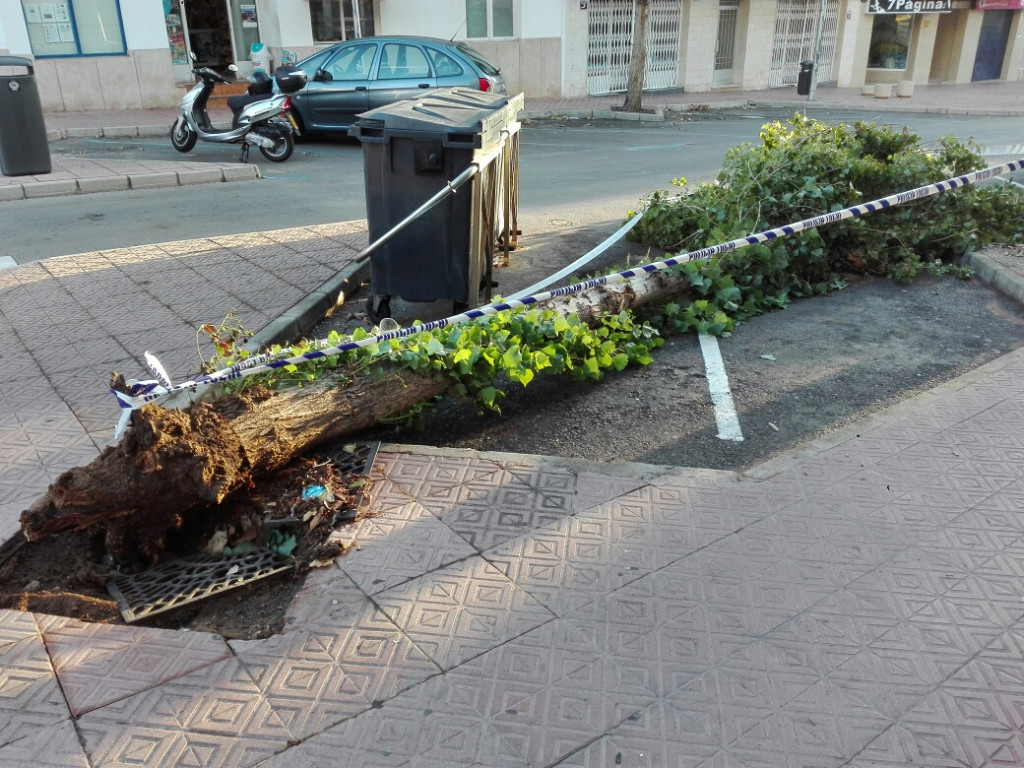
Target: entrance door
[209, 33]
[725, 45]
[995, 32]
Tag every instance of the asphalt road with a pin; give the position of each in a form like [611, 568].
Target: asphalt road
[574, 174]
[793, 375]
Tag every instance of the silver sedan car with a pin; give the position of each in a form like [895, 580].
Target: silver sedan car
[350, 78]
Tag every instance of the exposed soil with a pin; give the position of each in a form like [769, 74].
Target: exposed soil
[66, 574]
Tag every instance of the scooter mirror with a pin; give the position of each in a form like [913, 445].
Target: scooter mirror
[193, 55]
[232, 68]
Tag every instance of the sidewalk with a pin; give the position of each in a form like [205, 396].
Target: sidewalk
[856, 604]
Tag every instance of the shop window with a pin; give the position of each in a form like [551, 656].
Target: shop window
[489, 18]
[336, 20]
[74, 28]
[890, 41]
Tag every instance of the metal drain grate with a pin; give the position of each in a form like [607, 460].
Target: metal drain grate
[190, 579]
[357, 462]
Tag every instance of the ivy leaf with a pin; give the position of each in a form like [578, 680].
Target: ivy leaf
[488, 395]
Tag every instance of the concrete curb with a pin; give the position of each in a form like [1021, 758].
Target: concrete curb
[129, 181]
[1002, 278]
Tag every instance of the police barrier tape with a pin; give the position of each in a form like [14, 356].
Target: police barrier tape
[143, 392]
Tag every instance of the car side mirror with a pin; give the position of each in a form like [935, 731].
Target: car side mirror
[322, 75]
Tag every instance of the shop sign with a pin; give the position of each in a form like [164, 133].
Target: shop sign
[910, 6]
[998, 5]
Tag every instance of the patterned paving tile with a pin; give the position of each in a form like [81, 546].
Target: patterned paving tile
[59, 749]
[656, 737]
[507, 513]
[400, 543]
[461, 610]
[97, 664]
[575, 560]
[212, 717]
[314, 679]
[546, 693]
[30, 697]
[424, 475]
[328, 599]
[15, 626]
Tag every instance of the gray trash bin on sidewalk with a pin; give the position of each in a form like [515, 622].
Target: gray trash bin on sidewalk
[24, 148]
[412, 149]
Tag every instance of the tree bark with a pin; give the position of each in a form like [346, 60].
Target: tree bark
[638, 60]
[171, 465]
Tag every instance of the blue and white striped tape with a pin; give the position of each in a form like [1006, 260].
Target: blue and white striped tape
[145, 392]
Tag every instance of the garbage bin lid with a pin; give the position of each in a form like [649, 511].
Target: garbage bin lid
[16, 61]
[256, 48]
[445, 111]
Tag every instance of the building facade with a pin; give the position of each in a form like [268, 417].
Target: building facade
[110, 54]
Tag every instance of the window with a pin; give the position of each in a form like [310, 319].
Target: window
[489, 18]
[399, 61]
[74, 28]
[335, 20]
[890, 41]
[353, 63]
[444, 65]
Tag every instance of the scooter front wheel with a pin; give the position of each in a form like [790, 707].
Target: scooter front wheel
[284, 145]
[183, 138]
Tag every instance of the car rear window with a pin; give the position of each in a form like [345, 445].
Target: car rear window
[444, 65]
[477, 58]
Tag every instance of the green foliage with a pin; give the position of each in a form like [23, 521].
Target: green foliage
[805, 168]
[478, 355]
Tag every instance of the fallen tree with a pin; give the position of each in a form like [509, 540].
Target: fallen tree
[172, 465]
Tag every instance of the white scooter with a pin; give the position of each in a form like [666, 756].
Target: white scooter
[266, 123]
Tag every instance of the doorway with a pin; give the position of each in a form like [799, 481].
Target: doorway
[995, 32]
[209, 33]
[725, 44]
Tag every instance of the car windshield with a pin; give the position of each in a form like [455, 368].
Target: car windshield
[485, 66]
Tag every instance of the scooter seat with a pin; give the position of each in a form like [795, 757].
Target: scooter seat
[240, 101]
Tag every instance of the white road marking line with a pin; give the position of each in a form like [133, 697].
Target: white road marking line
[718, 386]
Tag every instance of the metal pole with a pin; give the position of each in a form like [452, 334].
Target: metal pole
[818, 32]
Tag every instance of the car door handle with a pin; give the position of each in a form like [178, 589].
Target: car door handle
[360, 87]
[424, 85]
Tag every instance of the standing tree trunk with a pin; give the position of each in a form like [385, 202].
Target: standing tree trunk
[638, 59]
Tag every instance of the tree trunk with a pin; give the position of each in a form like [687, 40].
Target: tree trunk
[174, 464]
[638, 60]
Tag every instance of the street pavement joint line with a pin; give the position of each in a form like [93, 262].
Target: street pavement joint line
[718, 387]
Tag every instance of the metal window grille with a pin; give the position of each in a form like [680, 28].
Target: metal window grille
[610, 45]
[795, 31]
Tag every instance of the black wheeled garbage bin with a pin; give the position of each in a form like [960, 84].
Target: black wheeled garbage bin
[803, 78]
[23, 145]
[412, 149]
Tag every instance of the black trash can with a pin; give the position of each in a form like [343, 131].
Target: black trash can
[412, 149]
[23, 145]
[803, 80]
